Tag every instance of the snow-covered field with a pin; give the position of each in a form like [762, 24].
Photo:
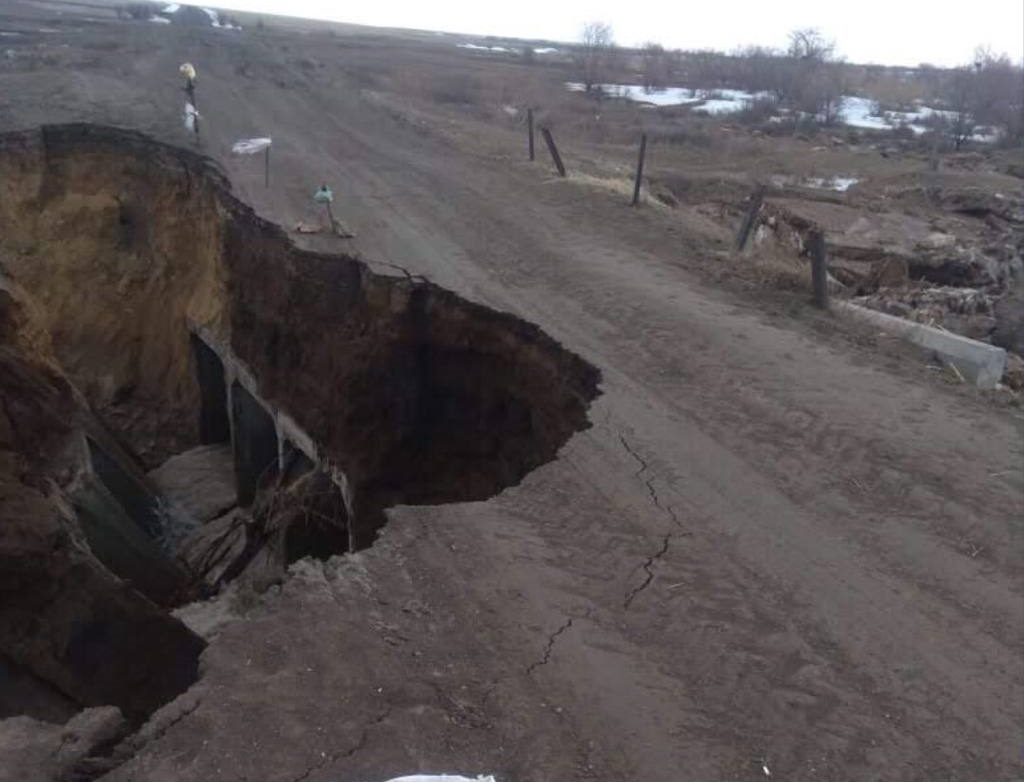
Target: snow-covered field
[505, 49]
[172, 8]
[723, 101]
[855, 112]
[477, 47]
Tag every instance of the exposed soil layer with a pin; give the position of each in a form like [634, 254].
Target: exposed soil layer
[117, 250]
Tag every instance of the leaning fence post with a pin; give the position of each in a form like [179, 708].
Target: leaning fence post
[639, 169]
[553, 150]
[819, 268]
[529, 124]
[751, 217]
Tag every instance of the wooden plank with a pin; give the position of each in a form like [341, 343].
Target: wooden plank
[550, 141]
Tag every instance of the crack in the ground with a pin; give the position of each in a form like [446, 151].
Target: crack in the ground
[644, 466]
[344, 754]
[648, 569]
[415, 279]
[175, 720]
[549, 647]
[648, 565]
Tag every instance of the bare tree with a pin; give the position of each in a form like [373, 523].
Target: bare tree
[594, 55]
[812, 78]
[960, 100]
[657, 67]
[998, 94]
[808, 44]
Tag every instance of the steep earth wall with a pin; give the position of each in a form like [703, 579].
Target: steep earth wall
[115, 251]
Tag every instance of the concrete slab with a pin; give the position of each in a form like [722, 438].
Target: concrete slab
[200, 480]
[980, 363]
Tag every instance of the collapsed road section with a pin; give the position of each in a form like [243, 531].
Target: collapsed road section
[186, 398]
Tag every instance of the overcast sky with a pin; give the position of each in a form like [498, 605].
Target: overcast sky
[897, 32]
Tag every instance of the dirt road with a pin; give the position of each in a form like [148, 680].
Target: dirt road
[773, 551]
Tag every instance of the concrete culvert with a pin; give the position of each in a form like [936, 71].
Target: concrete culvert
[274, 402]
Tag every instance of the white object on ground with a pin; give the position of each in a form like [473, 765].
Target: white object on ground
[477, 47]
[838, 183]
[441, 778]
[980, 363]
[724, 101]
[160, 19]
[250, 146]
[171, 8]
[191, 115]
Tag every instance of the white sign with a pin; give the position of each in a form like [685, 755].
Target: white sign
[250, 146]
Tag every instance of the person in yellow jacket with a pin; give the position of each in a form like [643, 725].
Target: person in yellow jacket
[188, 70]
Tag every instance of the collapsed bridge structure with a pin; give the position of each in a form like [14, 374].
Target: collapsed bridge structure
[187, 398]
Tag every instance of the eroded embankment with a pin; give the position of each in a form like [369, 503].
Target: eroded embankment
[161, 314]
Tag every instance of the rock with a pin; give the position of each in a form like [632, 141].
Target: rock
[1013, 377]
[889, 273]
[938, 241]
[976, 202]
[33, 751]
[28, 750]
[200, 480]
[63, 616]
[89, 730]
[1009, 326]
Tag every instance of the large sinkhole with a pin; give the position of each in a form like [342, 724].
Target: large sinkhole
[189, 399]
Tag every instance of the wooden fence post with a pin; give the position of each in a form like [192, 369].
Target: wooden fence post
[819, 268]
[639, 169]
[751, 217]
[553, 150]
[529, 123]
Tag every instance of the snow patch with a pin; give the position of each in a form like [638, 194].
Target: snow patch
[837, 183]
[171, 8]
[477, 47]
[215, 20]
[160, 19]
[545, 50]
[723, 101]
[854, 111]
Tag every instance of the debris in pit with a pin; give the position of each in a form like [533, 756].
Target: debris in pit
[965, 311]
[287, 522]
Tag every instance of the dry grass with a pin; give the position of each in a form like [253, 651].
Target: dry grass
[621, 187]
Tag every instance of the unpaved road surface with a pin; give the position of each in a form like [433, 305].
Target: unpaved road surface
[773, 549]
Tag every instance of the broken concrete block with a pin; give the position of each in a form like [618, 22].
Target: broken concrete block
[979, 363]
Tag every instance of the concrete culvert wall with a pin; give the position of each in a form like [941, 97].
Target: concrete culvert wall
[339, 392]
[214, 418]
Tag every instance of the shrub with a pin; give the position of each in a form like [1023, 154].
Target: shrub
[140, 11]
[457, 88]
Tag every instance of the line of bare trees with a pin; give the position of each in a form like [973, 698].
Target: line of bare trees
[986, 95]
[809, 78]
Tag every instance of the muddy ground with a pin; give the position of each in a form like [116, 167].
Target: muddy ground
[783, 544]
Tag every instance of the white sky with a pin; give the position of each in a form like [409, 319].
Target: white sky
[896, 32]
